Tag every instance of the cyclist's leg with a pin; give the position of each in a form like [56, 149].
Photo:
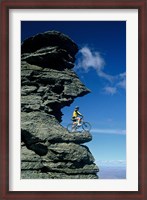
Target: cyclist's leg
[79, 121]
[74, 124]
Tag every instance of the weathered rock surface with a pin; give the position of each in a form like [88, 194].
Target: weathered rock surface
[48, 83]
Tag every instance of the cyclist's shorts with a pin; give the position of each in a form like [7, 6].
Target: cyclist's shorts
[74, 119]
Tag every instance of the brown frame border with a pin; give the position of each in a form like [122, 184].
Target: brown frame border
[5, 5]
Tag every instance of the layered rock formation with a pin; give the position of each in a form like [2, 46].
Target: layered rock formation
[48, 83]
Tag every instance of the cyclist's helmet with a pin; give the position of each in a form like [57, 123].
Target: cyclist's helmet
[77, 108]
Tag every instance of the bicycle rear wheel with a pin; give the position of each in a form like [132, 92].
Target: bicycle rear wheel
[71, 127]
[86, 126]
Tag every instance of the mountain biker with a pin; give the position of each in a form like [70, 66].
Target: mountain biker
[75, 116]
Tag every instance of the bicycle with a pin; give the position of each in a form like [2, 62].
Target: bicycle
[73, 127]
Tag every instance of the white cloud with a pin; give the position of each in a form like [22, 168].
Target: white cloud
[93, 60]
[106, 76]
[122, 81]
[122, 75]
[110, 90]
[109, 131]
[90, 59]
[111, 162]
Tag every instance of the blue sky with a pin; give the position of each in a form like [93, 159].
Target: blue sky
[101, 66]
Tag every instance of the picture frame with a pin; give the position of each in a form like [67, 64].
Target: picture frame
[141, 5]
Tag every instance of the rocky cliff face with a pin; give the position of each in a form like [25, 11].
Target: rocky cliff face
[48, 83]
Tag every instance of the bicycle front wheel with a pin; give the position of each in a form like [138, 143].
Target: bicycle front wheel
[86, 126]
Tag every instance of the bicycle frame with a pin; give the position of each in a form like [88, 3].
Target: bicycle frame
[75, 124]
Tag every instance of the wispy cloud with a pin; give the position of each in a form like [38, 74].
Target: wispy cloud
[109, 131]
[122, 81]
[111, 162]
[89, 59]
[110, 90]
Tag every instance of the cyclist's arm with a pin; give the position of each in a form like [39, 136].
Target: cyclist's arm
[80, 114]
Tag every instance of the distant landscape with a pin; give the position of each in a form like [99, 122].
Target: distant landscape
[112, 170]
